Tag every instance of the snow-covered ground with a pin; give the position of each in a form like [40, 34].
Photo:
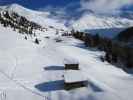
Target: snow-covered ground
[35, 72]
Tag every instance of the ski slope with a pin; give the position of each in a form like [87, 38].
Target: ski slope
[35, 72]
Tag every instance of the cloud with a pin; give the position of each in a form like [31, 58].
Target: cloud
[76, 10]
[55, 12]
[79, 7]
[104, 6]
[62, 12]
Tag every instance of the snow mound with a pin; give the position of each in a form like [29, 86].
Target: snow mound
[70, 61]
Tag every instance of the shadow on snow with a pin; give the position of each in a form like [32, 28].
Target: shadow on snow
[54, 68]
[51, 86]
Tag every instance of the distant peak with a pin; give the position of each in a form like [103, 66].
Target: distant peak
[13, 7]
[16, 6]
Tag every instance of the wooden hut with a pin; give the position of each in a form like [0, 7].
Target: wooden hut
[74, 79]
[71, 65]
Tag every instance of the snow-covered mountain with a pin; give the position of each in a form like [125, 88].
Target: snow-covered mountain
[89, 22]
[41, 18]
[105, 25]
[36, 72]
[93, 21]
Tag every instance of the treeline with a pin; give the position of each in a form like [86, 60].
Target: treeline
[126, 35]
[117, 54]
[18, 22]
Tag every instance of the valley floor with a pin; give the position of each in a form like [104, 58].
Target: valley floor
[35, 72]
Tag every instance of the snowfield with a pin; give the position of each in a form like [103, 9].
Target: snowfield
[35, 72]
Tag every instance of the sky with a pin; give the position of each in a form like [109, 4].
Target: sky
[36, 4]
[92, 4]
[75, 8]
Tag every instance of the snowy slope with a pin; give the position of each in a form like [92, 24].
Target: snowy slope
[36, 71]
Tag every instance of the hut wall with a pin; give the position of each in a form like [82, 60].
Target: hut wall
[69, 86]
[72, 66]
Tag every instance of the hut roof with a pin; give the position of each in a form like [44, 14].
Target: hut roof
[71, 61]
[71, 76]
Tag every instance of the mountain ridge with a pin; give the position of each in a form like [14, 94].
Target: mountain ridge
[41, 18]
[99, 21]
[88, 22]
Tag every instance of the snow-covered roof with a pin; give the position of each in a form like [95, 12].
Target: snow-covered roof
[71, 61]
[71, 76]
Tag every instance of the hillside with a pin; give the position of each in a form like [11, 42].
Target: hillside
[41, 18]
[35, 71]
